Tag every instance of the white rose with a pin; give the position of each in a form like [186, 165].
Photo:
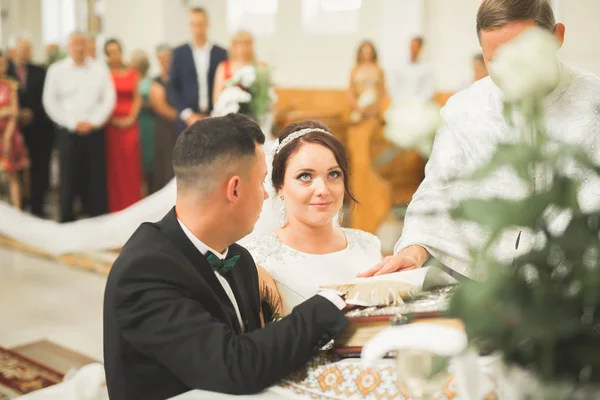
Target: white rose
[413, 124]
[229, 101]
[527, 66]
[247, 76]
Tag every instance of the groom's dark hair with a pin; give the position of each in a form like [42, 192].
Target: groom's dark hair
[207, 149]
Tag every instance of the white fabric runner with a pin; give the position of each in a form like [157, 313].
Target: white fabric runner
[109, 231]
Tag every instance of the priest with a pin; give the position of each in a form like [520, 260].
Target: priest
[473, 126]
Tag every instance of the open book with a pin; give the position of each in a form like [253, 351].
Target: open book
[392, 289]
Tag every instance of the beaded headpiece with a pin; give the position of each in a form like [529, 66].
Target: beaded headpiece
[296, 135]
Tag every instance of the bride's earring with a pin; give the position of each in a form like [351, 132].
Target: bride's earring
[282, 213]
[339, 217]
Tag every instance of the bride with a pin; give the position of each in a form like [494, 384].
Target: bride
[309, 249]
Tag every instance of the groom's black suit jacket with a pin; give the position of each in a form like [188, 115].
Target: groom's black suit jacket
[169, 326]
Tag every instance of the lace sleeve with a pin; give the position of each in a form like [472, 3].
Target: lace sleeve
[367, 242]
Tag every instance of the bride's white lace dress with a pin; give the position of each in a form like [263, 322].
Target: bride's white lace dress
[299, 275]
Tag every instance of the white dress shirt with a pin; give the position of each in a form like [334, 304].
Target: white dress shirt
[204, 249]
[202, 63]
[413, 81]
[79, 93]
[473, 127]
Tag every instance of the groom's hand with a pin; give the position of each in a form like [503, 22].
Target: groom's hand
[412, 257]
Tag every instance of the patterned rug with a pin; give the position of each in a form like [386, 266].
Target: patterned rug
[346, 379]
[19, 375]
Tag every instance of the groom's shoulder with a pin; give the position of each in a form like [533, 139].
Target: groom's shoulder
[146, 243]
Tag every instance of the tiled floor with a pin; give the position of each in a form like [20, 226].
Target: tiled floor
[43, 299]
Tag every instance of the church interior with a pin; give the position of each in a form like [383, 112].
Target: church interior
[364, 68]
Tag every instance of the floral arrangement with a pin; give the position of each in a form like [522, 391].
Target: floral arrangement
[541, 312]
[412, 124]
[249, 91]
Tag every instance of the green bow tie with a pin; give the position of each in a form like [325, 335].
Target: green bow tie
[222, 266]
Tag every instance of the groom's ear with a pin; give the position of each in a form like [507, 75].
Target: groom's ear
[233, 189]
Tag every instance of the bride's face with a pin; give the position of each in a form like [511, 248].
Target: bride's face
[313, 186]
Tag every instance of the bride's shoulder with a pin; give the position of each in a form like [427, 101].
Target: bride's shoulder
[261, 247]
[361, 239]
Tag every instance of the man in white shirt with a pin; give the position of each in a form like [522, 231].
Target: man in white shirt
[79, 96]
[192, 72]
[414, 80]
[473, 126]
[182, 302]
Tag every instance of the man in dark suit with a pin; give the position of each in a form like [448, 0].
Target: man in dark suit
[34, 123]
[181, 307]
[192, 72]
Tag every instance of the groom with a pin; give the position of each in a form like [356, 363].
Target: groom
[473, 126]
[181, 307]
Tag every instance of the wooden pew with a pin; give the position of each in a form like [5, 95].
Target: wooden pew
[373, 192]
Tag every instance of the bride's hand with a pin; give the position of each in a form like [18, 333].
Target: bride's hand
[412, 257]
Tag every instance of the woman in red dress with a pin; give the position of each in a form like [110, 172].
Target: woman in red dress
[123, 158]
[13, 154]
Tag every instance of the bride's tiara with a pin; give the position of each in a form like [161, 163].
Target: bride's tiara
[296, 135]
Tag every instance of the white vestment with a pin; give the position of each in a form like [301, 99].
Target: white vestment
[473, 126]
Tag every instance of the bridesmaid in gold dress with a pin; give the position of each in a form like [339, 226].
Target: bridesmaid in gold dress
[367, 84]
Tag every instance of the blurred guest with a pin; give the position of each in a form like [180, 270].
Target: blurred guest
[11, 48]
[165, 128]
[79, 97]
[367, 83]
[139, 61]
[13, 155]
[414, 80]
[33, 122]
[123, 158]
[479, 69]
[241, 53]
[190, 90]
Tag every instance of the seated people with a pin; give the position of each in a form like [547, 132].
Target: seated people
[182, 307]
[310, 178]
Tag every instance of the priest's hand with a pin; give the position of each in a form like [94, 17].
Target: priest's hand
[412, 257]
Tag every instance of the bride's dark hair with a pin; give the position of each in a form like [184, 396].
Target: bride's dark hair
[280, 160]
